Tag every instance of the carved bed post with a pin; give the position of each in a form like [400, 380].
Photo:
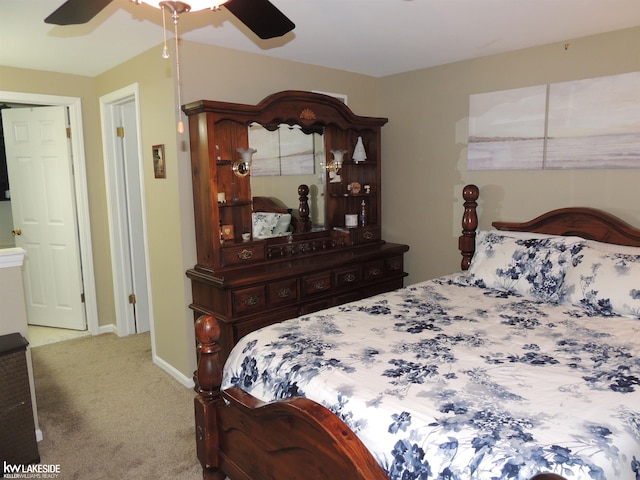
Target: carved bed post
[303, 208]
[467, 241]
[208, 379]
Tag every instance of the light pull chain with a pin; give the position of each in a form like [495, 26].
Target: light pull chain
[165, 50]
[180, 124]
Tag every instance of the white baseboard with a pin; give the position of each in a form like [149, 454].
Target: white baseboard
[110, 328]
[179, 376]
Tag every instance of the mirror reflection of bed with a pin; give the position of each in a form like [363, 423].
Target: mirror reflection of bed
[271, 217]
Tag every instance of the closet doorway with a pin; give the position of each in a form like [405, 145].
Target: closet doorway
[124, 175]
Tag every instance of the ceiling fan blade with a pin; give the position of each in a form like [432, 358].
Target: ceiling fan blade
[261, 16]
[74, 12]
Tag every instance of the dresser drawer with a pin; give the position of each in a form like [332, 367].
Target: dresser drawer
[315, 284]
[373, 270]
[366, 234]
[242, 254]
[283, 292]
[346, 277]
[394, 265]
[247, 300]
[311, 307]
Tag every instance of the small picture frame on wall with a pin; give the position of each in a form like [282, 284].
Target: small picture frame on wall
[227, 232]
[159, 166]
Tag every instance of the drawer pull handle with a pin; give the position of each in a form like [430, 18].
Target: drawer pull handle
[245, 254]
[375, 271]
[320, 285]
[368, 235]
[284, 292]
[394, 266]
[349, 278]
[251, 300]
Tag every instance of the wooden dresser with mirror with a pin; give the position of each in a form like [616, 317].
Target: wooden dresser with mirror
[317, 262]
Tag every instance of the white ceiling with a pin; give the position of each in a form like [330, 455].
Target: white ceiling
[372, 37]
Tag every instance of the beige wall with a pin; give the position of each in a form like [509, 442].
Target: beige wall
[424, 147]
[233, 76]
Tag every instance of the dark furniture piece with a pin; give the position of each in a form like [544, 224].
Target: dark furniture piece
[248, 285]
[18, 444]
[241, 437]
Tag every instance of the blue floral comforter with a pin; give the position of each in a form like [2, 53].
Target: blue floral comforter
[446, 381]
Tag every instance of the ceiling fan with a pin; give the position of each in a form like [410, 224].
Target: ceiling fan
[261, 16]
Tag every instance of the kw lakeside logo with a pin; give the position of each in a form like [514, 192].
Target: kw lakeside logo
[10, 470]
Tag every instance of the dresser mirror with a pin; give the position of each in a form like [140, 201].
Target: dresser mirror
[288, 156]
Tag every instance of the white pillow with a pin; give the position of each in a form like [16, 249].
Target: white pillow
[264, 223]
[612, 248]
[604, 283]
[282, 226]
[532, 267]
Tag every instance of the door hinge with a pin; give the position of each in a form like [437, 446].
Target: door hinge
[68, 132]
[120, 132]
[132, 298]
[82, 297]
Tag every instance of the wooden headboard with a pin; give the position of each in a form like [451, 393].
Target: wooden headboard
[300, 220]
[584, 222]
[269, 204]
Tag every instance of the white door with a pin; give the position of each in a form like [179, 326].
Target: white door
[120, 113]
[131, 219]
[44, 214]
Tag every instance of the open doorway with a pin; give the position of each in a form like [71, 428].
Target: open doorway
[76, 160]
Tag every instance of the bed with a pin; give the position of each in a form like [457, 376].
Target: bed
[534, 374]
[272, 218]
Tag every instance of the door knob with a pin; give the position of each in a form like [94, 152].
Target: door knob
[15, 232]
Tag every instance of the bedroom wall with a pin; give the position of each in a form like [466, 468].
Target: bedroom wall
[424, 146]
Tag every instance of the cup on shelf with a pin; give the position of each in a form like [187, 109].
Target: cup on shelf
[222, 197]
[351, 220]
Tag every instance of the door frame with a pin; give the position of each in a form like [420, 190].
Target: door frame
[78, 160]
[125, 323]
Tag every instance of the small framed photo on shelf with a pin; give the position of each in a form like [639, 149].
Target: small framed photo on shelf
[159, 168]
[227, 232]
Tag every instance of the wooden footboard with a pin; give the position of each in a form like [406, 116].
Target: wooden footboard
[245, 438]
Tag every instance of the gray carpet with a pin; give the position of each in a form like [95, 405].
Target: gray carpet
[107, 412]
